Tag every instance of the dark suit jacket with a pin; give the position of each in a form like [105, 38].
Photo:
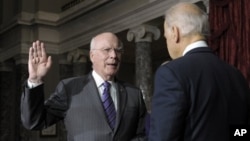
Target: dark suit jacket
[197, 97]
[77, 102]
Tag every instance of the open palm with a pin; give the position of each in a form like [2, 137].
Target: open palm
[38, 64]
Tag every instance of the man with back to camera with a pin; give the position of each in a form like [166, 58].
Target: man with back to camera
[97, 107]
[197, 96]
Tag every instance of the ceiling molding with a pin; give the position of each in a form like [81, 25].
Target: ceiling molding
[118, 22]
[114, 24]
[75, 34]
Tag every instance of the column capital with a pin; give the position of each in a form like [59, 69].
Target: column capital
[143, 32]
[78, 55]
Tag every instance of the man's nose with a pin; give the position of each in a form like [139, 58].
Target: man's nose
[113, 52]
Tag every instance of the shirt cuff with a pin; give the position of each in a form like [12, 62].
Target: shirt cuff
[33, 85]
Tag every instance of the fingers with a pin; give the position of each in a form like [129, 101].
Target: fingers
[37, 52]
[38, 49]
[34, 48]
[43, 51]
[30, 53]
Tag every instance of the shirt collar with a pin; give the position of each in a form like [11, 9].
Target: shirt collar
[194, 45]
[98, 79]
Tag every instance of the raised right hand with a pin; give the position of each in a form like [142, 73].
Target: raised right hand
[38, 63]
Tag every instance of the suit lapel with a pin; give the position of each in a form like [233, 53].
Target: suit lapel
[121, 102]
[93, 95]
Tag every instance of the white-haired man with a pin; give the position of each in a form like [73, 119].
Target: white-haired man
[197, 96]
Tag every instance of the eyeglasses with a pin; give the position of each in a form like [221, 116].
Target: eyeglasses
[119, 50]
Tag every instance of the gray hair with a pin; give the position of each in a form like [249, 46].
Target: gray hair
[188, 22]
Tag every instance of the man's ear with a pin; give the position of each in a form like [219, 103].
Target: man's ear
[175, 33]
[91, 55]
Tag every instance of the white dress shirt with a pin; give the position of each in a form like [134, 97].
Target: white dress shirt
[113, 91]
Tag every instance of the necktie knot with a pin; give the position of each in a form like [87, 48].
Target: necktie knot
[106, 84]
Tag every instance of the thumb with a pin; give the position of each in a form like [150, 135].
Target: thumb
[49, 62]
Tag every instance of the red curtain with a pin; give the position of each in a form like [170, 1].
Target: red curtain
[230, 32]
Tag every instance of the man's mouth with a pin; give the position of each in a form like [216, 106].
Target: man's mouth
[113, 64]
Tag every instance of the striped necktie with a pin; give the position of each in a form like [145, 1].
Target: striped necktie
[108, 105]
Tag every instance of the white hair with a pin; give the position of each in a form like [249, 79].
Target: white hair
[93, 41]
[188, 22]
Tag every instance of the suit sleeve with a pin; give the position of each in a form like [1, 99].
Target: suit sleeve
[140, 132]
[38, 114]
[169, 107]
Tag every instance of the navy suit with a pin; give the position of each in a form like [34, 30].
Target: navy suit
[197, 97]
[77, 102]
